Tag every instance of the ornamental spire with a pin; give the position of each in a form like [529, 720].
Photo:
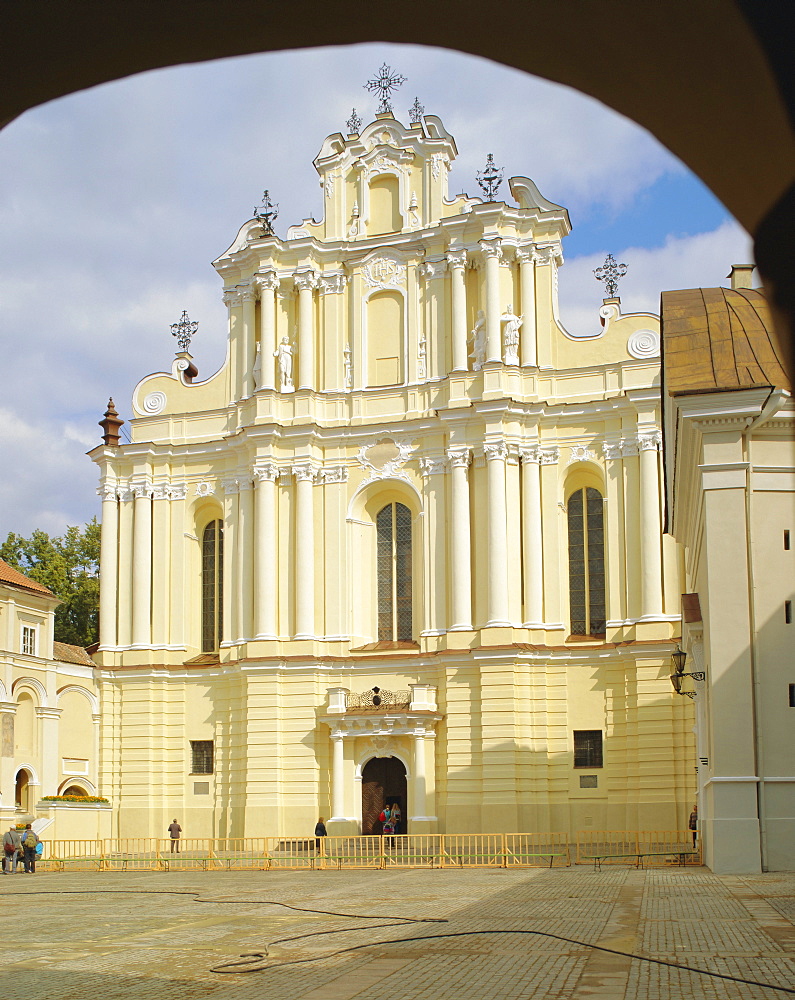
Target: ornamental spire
[383, 83]
[266, 214]
[610, 273]
[490, 178]
[354, 123]
[184, 330]
[416, 111]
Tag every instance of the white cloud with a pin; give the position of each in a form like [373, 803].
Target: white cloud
[700, 261]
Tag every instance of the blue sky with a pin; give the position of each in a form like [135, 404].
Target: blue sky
[114, 201]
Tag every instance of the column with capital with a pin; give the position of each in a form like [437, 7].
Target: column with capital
[553, 517]
[456, 260]
[492, 254]
[161, 583]
[434, 603]
[230, 568]
[650, 528]
[615, 552]
[142, 566]
[266, 557]
[337, 777]
[460, 542]
[124, 596]
[496, 454]
[108, 580]
[233, 301]
[304, 551]
[305, 282]
[248, 341]
[419, 802]
[178, 600]
[244, 581]
[527, 290]
[268, 283]
[532, 539]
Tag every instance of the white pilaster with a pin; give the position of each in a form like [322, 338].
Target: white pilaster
[304, 551]
[532, 539]
[460, 547]
[650, 529]
[248, 340]
[338, 777]
[527, 290]
[496, 454]
[266, 558]
[245, 560]
[492, 254]
[305, 282]
[124, 605]
[457, 260]
[48, 735]
[268, 283]
[142, 566]
[161, 577]
[230, 630]
[108, 579]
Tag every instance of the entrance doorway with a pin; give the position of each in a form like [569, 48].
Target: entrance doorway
[22, 791]
[383, 783]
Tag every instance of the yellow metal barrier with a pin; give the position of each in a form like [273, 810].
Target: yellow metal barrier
[645, 848]
[648, 848]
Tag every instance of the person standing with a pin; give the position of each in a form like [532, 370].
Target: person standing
[29, 843]
[11, 846]
[693, 824]
[320, 831]
[174, 830]
[397, 817]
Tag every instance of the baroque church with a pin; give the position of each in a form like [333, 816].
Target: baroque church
[406, 544]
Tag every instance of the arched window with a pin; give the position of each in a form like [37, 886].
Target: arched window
[393, 528]
[586, 562]
[212, 586]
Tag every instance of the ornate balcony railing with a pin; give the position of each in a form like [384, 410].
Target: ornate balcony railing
[377, 699]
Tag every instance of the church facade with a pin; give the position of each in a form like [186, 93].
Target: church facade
[406, 545]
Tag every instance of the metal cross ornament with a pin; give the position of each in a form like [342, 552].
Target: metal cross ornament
[416, 111]
[354, 123]
[384, 82]
[266, 213]
[184, 330]
[610, 273]
[490, 178]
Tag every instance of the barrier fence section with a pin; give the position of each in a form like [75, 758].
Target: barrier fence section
[652, 848]
[435, 850]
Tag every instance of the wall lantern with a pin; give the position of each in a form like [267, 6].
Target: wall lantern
[678, 658]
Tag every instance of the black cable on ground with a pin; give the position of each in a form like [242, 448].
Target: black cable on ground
[245, 965]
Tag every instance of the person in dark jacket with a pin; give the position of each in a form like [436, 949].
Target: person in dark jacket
[29, 844]
[320, 831]
[693, 824]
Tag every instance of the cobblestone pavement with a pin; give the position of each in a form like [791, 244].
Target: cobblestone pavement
[140, 935]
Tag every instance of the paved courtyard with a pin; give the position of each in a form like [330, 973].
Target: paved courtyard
[154, 935]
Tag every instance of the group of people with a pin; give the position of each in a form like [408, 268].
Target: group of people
[390, 818]
[20, 845]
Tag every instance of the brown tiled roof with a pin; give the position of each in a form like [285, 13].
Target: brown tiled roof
[716, 339]
[71, 654]
[10, 575]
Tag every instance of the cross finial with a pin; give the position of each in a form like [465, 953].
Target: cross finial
[416, 111]
[383, 83]
[354, 123]
[184, 331]
[490, 178]
[610, 273]
[266, 213]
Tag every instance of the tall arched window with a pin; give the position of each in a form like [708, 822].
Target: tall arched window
[586, 562]
[393, 528]
[212, 586]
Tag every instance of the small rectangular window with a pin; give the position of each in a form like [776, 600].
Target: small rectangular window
[588, 748]
[792, 696]
[29, 640]
[201, 756]
[786, 539]
[788, 612]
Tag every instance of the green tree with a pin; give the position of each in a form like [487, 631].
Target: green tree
[69, 567]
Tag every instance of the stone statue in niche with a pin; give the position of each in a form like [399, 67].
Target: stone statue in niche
[414, 212]
[284, 353]
[510, 337]
[347, 367]
[257, 369]
[422, 359]
[478, 353]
